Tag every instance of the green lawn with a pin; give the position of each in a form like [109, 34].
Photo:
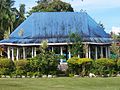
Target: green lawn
[60, 84]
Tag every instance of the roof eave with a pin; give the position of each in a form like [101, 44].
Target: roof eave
[50, 44]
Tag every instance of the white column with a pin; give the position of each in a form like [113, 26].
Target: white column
[78, 56]
[8, 52]
[17, 56]
[32, 53]
[23, 52]
[106, 50]
[61, 53]
[89, 52]
[52, 49]
[35, 52]
[69, 54]
[96, 53]
[12, 54]
[101, 52]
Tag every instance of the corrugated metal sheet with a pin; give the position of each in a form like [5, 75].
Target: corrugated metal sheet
[56, 26]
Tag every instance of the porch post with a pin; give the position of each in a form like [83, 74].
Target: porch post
[52, 49]
[23, 52]
[17, 56]
[89, 52]
[8, 52]
[96, 53]
[101, 52]
[106, 50]
[12, 54]
[69, 53]
[35, 52]
[32, 52]
[61, 53]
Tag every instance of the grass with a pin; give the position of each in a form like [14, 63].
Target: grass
[60, 83]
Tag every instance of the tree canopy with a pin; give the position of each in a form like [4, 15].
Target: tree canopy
[6, 16]
[10, 17]
[76, 47]
[51, 6]
[114, 47]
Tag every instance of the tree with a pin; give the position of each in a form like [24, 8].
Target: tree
[6, 16]
[20, 15]
[43, 1]
[10, 17]
[10, 24]
[48, 60]
[114, 48]
[51, 6]
[76, 47]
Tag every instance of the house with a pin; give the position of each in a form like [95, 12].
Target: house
[55, 27]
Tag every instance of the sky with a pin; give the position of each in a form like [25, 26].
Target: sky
[104, 11]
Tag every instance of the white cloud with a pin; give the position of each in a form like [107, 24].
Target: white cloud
[116, 30]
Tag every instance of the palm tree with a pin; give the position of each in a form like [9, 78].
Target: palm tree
[16, 17]
[20, 15]
[6, 16]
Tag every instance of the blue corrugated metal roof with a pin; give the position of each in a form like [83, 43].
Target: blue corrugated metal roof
[56, 26]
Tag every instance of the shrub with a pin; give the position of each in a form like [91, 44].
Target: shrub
[118, 63]
[6, 66]
[71, 75]
[5, 63]
[30, 74]
[86, 64]
[79, 65]
[73, 60]
[105, 62]
[48, 62]
[21, 63]
[104, 66]
[84, 61]
[73, 67]
[21, 67]
[37, 74]
[35, 64]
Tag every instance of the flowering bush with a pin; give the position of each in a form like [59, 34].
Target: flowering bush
[73, 60]
[73, 67]
[84, 61]
[79, 65]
